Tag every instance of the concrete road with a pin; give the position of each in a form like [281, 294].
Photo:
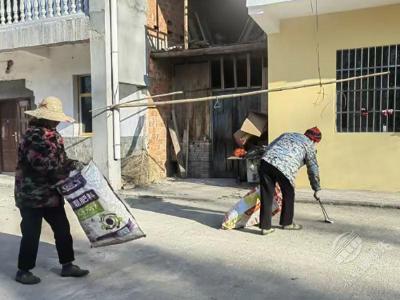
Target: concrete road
[186, 256]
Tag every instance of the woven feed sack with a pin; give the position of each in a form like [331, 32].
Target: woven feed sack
[246, 212]
[104, 217]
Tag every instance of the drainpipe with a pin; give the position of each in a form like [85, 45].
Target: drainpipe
[115, 79]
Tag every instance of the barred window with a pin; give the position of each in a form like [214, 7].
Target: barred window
[369, 104]
[235, 72]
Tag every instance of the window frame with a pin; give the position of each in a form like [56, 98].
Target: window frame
[81, 95]
[378, 107]
[234, 59]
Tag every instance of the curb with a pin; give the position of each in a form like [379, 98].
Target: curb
[370, 204]
[301, 200]
[352, 203]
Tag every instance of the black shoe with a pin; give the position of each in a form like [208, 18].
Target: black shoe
[26, 277]
[71, 270]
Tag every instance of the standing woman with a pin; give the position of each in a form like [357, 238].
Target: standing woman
[42, 162]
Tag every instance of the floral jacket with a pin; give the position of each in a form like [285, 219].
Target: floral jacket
[291, 151]
[42, 162]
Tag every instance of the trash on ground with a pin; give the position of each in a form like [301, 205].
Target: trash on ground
[246, 212]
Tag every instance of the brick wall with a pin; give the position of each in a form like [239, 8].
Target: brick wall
[200, 159]
[170, 23]
[170, 19]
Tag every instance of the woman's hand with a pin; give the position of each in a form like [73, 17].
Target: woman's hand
[75, 165]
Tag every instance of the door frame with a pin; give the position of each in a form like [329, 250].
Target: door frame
[15, 100]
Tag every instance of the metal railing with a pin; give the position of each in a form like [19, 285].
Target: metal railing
[157, 40]
[23, 11]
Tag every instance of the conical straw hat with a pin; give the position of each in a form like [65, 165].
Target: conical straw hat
[50, 109]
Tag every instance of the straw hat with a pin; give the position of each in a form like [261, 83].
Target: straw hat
[50, 109]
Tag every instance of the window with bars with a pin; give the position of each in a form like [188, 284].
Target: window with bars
[369, 104]
[237, 71]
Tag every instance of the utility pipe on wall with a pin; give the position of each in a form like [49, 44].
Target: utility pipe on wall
[115, 79]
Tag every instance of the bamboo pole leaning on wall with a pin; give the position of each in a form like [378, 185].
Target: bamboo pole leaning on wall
[238, 95]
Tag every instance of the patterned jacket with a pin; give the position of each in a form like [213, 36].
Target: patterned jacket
[42, 162]
[289, 152]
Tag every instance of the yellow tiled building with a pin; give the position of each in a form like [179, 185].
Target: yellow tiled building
[360, 120]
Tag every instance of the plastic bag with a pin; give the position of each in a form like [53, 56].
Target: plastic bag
[246, 212]
[104, 217]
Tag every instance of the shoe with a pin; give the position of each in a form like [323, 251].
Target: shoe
[70, 270]
[292, 227]
[26, 277]
[267, 231]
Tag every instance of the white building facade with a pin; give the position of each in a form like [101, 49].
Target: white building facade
[66, 49]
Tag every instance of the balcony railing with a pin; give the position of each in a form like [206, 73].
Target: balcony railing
[23, 11]
[157, 40]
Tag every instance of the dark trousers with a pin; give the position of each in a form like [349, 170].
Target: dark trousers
[31, 227]
[269, 176]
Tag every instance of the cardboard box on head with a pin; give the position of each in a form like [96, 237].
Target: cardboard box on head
[254, 125]
[241, 138]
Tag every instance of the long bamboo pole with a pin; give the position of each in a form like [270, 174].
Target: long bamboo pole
[186, 23]
[237, 95]
[137, 100]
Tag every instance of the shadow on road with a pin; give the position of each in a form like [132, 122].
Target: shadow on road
[372, 232]
[208, 217]
[138, 270]
[147, 272]
[9, 253]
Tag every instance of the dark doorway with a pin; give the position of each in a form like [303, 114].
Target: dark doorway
[227, 119]
[13, 124]
[231, 74]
